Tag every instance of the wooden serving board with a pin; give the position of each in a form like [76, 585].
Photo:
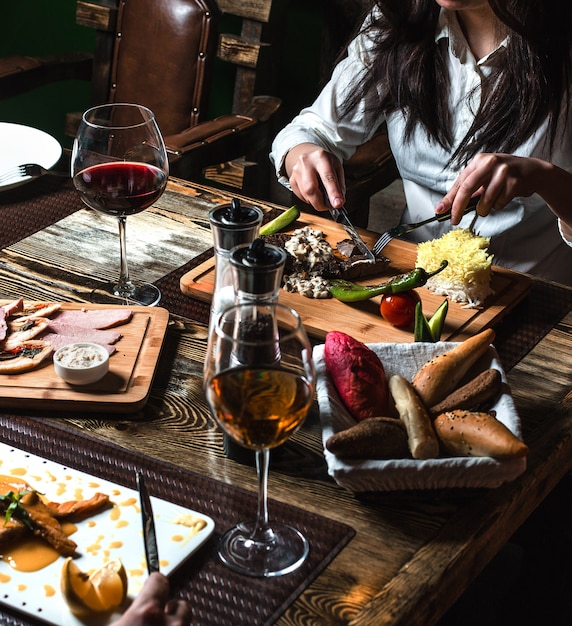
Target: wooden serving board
[125, 388]
[362, 320]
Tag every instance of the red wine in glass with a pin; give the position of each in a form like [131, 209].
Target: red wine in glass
[120, 188]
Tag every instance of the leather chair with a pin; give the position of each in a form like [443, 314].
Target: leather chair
[163, 54]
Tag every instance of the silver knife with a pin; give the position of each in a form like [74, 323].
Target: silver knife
[149, 534]
[341, 217]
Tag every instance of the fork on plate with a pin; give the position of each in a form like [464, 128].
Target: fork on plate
[19, 171]
[402, 229]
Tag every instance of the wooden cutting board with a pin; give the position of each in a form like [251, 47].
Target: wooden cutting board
[125, 388]
[362, 320]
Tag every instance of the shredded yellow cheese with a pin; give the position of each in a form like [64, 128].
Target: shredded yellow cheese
[467, 278]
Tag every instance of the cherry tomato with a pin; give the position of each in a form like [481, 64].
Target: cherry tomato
[399, 308]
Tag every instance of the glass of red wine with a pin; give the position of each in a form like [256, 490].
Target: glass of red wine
[119, 167]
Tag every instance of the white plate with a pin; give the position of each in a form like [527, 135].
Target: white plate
[403, 474]
[22, 144]
[114, 533]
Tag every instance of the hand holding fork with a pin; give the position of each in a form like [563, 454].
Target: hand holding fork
[402, 229]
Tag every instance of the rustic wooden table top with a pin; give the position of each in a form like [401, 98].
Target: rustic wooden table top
[413, 554]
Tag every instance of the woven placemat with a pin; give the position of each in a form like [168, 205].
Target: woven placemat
[218, 595]
[31, 207]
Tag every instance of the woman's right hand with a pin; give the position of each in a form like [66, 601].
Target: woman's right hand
[152, 607]
[313, 172]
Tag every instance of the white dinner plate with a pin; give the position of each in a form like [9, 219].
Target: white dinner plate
[22, 144]
[113, 533]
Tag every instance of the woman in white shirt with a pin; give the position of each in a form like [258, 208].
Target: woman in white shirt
[477, 100]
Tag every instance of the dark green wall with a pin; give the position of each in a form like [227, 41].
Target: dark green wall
[39, 27]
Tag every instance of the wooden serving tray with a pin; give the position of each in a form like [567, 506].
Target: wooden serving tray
[362, 320]
[125, 388]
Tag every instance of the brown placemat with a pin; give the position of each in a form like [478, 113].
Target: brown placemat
[218, 595]
[27, 209]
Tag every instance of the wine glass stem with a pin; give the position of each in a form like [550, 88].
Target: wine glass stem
[262, 532]
[124, 284]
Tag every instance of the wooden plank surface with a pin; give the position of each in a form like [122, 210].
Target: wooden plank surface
[362, 320]
[126, 386]
[414, 553]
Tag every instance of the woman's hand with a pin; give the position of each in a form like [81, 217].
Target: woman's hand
[497, 178]
[313, 171]
[153, 608]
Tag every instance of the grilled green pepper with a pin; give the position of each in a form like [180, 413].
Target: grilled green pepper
[430, 330]
[347, 291]
[280, 222]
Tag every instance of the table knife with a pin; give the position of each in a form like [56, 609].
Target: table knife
[149, 534]
[341, 217]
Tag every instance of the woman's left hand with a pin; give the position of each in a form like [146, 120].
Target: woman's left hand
[497, 178]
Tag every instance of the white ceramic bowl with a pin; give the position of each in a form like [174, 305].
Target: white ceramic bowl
[81, 363]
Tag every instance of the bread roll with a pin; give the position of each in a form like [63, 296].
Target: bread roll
[422, 441]
[439, 376]
[484, 387]
[470, 433]
[373, 438]
[358, 375]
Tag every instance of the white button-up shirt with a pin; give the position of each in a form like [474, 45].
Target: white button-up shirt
[524, 235]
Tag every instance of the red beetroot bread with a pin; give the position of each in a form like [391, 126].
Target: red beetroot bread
[358, 376]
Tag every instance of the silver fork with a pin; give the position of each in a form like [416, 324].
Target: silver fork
[402, 229]
[28, 169]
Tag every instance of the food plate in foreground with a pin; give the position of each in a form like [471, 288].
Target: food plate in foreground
[405, 474]
[113, 533]
[21, 145]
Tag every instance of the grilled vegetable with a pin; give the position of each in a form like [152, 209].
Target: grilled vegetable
[347, 291]
[430, 330]
[280, 222]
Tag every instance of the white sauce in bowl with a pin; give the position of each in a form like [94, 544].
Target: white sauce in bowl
[77, 356]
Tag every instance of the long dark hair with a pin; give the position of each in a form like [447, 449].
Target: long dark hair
[527, 84]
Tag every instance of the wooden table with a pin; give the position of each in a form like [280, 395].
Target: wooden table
[413, 554]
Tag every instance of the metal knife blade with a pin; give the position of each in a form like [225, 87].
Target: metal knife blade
[148, 521]
[341, 217]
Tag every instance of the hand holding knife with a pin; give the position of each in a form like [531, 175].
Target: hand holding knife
[341, 217]
[148, 521]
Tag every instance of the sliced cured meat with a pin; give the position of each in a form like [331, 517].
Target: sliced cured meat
[56, 340]
[94, 318]
[83, 334]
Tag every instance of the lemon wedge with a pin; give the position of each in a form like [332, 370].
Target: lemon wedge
[101, 591]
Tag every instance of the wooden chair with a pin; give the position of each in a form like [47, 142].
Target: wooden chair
[164, 54]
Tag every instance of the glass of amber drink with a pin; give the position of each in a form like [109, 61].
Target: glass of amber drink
[259, 382]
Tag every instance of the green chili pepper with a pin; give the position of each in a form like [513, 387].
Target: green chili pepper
[347, 291]
[430, 330]
[421, 330]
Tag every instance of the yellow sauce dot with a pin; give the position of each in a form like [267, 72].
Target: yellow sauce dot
[49, 591]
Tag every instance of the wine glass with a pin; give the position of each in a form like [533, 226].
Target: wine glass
[259, 382]
[119, 167]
